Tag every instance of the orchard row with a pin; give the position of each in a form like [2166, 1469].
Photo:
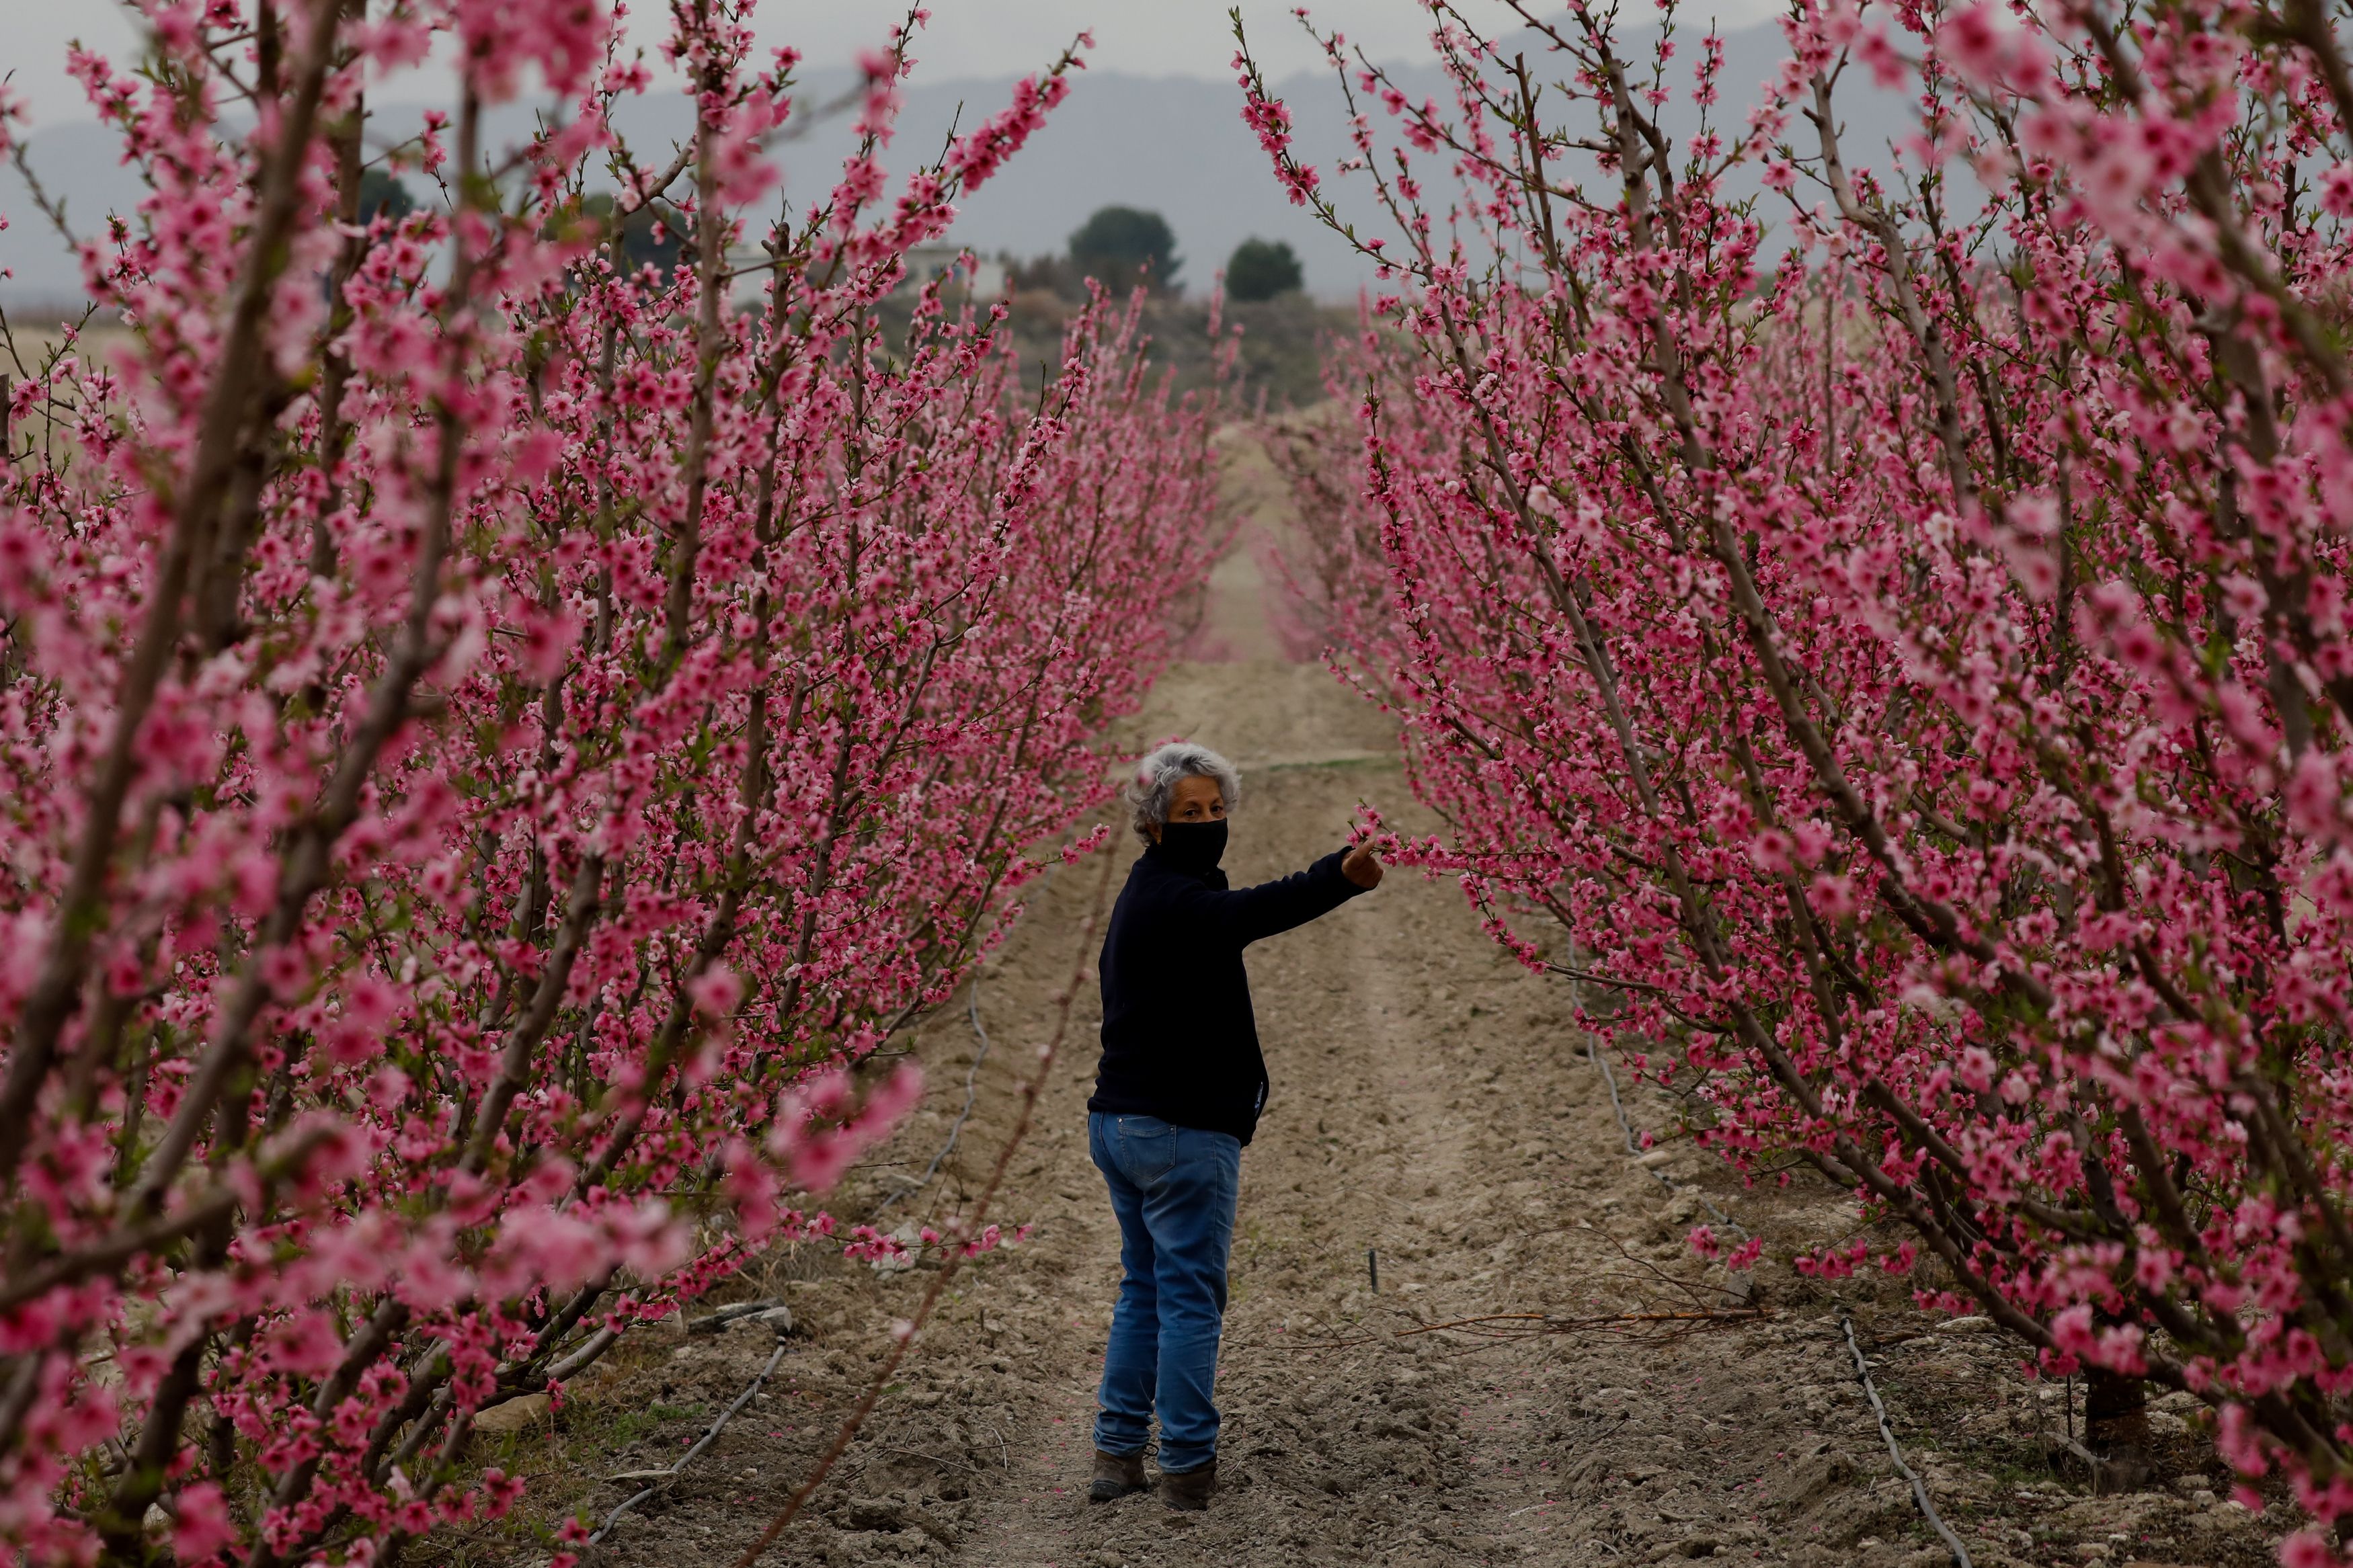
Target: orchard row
[1894, 659]
[495, 738]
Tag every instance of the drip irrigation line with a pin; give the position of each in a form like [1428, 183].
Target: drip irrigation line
[1634, 1150]
[1919, 1489]
[666, 1476]
[725, 1315]
[905, 1333]
[1846, 1322]
[971, 1076]
[1846, 1318]
[1497, 1325]
[971, 1093]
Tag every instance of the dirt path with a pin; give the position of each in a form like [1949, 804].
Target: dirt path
[1431, 1105]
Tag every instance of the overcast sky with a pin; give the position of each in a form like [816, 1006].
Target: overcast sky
[965, 37]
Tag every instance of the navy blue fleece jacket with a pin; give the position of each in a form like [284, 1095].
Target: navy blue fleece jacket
[1179, 1041]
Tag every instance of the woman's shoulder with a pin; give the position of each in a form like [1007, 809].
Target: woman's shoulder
[1154, 885]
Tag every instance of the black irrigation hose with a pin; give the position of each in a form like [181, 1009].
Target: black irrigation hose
[666, 1476]
[1846, 1322]
[971, 1076]
[1633, 1148]
[971, 1093]
[1919, 1489]
[725, 1315]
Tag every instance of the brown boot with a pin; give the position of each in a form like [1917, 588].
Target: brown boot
[1187, 1492]
[1116, 1475]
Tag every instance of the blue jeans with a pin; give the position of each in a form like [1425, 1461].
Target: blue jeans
[1173, 1190]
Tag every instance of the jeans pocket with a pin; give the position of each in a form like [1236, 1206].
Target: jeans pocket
[1147, 1149]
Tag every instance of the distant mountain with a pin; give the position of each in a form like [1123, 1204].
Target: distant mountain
[1173, 144]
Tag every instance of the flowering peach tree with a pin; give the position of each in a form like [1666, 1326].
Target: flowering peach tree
[496, 737]
[1888, 630]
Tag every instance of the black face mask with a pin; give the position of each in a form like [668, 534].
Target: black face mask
[1193, 847]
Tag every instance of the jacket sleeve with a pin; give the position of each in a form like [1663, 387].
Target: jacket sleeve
[1243, 915]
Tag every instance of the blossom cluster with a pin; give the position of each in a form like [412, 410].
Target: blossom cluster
[497, 739]
[1894, 659]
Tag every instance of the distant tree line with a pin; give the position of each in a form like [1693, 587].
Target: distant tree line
[1260, 269]
[1122, 246]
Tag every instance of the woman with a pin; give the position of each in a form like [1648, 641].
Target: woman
[1178, 1093]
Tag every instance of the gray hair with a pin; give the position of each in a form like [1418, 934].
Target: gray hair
[1147, 793]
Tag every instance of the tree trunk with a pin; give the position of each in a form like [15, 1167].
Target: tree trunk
[2116, 1427]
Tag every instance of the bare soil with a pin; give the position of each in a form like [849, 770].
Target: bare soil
[1433, 1106]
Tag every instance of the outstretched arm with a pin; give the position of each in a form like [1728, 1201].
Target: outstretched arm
[1243, 915]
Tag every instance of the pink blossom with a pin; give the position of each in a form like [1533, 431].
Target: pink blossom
[1872, 49]
[1883, 726]
[2307, 1548]
[716, 991]
[2336, 190]
[200, 1524]
[520, 723]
